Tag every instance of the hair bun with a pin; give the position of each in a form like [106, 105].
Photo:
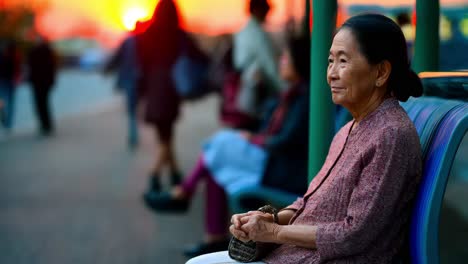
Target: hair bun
[409, 85]
[415, 86]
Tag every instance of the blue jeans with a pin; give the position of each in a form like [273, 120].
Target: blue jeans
[131, 101]
[7, 94]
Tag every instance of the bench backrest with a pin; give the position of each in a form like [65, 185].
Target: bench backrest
[444, 124]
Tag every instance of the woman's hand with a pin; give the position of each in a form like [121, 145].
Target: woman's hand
[243, 226]
[260, 227]
[235, 228]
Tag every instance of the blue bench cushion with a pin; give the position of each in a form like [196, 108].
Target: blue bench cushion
[424, 234]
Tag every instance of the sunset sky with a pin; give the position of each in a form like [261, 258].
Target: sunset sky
[207, 16]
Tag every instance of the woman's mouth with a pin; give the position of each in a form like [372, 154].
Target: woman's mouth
[336, 89]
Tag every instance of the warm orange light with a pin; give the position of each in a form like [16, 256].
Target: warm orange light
[132, 15]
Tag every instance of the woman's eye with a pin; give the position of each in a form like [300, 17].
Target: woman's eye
[330, 60]
[343, 60]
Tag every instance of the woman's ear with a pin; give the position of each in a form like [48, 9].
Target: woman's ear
[383, 73]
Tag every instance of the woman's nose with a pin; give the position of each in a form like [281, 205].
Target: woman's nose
[332, 73]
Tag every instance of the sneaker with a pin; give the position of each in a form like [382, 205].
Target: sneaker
[165, 203]
[205, 248]
[176, 178]
[154, 183]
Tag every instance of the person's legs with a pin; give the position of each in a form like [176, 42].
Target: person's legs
[155, 185]
[175, 175]
[188, 186]
[131, 99]
[133, 137]
[163, 137]
[41, 98]
[216, 212]
[166, 156]
[178, 199]
[4, 111]
[186, 189]
[7, 96]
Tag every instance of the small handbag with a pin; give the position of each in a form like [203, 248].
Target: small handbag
[251, 250]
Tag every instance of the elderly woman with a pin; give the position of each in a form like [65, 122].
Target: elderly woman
[357, 208]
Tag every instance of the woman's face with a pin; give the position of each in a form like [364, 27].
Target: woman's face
[286, 68]
[350, 76]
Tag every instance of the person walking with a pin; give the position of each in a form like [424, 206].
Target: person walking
[42, 72]
[128, 74]
[9, 72]
[158, 49]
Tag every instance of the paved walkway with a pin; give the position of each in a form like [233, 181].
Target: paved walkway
[76, 198]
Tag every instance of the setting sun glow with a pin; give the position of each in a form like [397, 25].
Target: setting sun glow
[132, 15]
[107, 20]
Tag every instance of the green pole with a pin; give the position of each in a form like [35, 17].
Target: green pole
[321, 106]
[426, 46]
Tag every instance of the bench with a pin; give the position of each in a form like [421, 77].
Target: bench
[438, 160]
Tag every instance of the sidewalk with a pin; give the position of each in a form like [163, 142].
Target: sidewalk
[76, 198]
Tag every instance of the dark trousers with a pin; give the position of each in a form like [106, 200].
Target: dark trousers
[7, 95]
[41, 100]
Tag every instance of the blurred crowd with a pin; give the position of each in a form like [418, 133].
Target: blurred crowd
[263, 87]
[38, 68]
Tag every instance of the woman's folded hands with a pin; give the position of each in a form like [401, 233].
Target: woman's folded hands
[255, 226]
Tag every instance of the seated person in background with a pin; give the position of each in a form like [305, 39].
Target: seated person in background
[276, 156]
[357, 207]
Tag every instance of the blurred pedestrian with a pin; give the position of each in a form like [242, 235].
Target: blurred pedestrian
[256, 57]
[42, 70]
[158, 49]
[9, 75]
[128, 74]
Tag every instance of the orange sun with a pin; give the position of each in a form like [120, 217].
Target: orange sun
[132, 15]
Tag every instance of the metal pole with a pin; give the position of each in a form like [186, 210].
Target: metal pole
[426, 46]
[321, 106]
